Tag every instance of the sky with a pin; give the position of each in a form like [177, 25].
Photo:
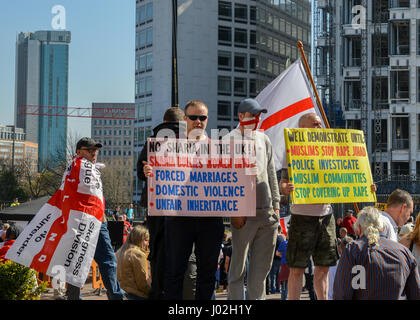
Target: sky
[101, 55]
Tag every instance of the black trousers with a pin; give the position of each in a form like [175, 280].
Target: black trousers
[180, 234]
[156, 227]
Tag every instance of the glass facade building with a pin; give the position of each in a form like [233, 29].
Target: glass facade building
[227, 50]
[42, 80]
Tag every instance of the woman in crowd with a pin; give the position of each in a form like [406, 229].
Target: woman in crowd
[412, 241]
[132, 266]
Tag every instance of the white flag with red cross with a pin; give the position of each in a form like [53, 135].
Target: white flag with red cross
[61, 239]
[286, 99]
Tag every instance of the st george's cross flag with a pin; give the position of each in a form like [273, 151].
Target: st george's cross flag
[286, 99]
[61, 239]
[284, 222]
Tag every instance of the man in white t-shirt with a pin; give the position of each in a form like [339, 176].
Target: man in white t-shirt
[312, 233]
[399, 207]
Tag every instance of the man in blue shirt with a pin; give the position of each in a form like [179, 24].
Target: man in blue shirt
[130, 213]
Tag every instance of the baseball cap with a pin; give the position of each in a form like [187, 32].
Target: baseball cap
[250, 105]
[88, 143]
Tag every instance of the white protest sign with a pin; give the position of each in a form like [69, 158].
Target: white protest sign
[206, 178]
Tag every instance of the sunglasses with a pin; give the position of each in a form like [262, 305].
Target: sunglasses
[193, 118]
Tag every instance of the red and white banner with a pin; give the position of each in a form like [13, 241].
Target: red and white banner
[286, 99]
[284, 222]
[61, 239]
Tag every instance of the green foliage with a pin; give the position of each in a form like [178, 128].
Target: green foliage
[10, 188]
[18, 282]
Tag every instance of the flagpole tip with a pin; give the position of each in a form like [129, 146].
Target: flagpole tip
[300, 44]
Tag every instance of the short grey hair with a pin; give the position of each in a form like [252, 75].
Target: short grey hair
[305, 117]
[370, 222]
[398, 197]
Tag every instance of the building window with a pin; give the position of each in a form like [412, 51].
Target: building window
[225, 10]
[145, 37]
[140, 111]
[224, 86]
[225, 60]
[148, 86]
[252, 88]
[241, 13]
[142, 63]
[252, 63]
[148, 106]
[400, 86]
[400, 168]
[240, 62]
[240, 88]
[145, 13]
[400, 133]
[252, 39]
[252, 14]
[223, 110]
[225, 35]
[235, 110]
[241, 38]
[400, 38]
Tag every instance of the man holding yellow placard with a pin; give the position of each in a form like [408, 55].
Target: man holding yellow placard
[324, 166]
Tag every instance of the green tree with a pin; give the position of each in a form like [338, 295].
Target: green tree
[10, 188]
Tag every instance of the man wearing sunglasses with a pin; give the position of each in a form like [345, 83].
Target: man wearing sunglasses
[206, 233]
[256, 235]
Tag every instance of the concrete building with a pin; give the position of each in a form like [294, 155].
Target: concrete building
[112, 124]
[16, 152]
[226, 50]
[42, 81]
[371, 67]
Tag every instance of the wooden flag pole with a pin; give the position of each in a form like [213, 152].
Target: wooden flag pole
[321, 108]
[308, 72]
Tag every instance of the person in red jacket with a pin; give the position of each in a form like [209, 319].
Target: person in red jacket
[127, 226]
[348, 222]
[11, 235]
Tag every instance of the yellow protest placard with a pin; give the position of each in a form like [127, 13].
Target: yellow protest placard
[328, 166]
[380, 206]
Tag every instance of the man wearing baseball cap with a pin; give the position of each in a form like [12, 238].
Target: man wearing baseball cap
[256, 235]
[348, 222]
[104, 254]
[88, 148]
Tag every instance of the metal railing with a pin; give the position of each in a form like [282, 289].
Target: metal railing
[400, 144]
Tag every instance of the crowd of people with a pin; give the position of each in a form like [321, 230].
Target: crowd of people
[176, 258]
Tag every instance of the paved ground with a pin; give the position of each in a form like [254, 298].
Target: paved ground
[89, 293]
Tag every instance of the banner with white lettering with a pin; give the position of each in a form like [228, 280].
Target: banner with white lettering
[206, 178]
[60, 241]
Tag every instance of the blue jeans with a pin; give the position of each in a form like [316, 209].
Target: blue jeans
[107, 263]
[283, 286]
[274, 275]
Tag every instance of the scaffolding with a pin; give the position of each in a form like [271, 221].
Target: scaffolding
[325, 56]
[377, 15]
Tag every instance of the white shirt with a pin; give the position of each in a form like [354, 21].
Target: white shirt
[391, 227]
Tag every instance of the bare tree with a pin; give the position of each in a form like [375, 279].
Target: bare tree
[117, 179]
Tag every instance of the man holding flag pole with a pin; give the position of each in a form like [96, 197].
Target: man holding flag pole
[291, 104]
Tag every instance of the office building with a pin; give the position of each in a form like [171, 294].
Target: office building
[371, 68]
[16, 152]
[113, 126]
[42, 80]
[226, 50]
